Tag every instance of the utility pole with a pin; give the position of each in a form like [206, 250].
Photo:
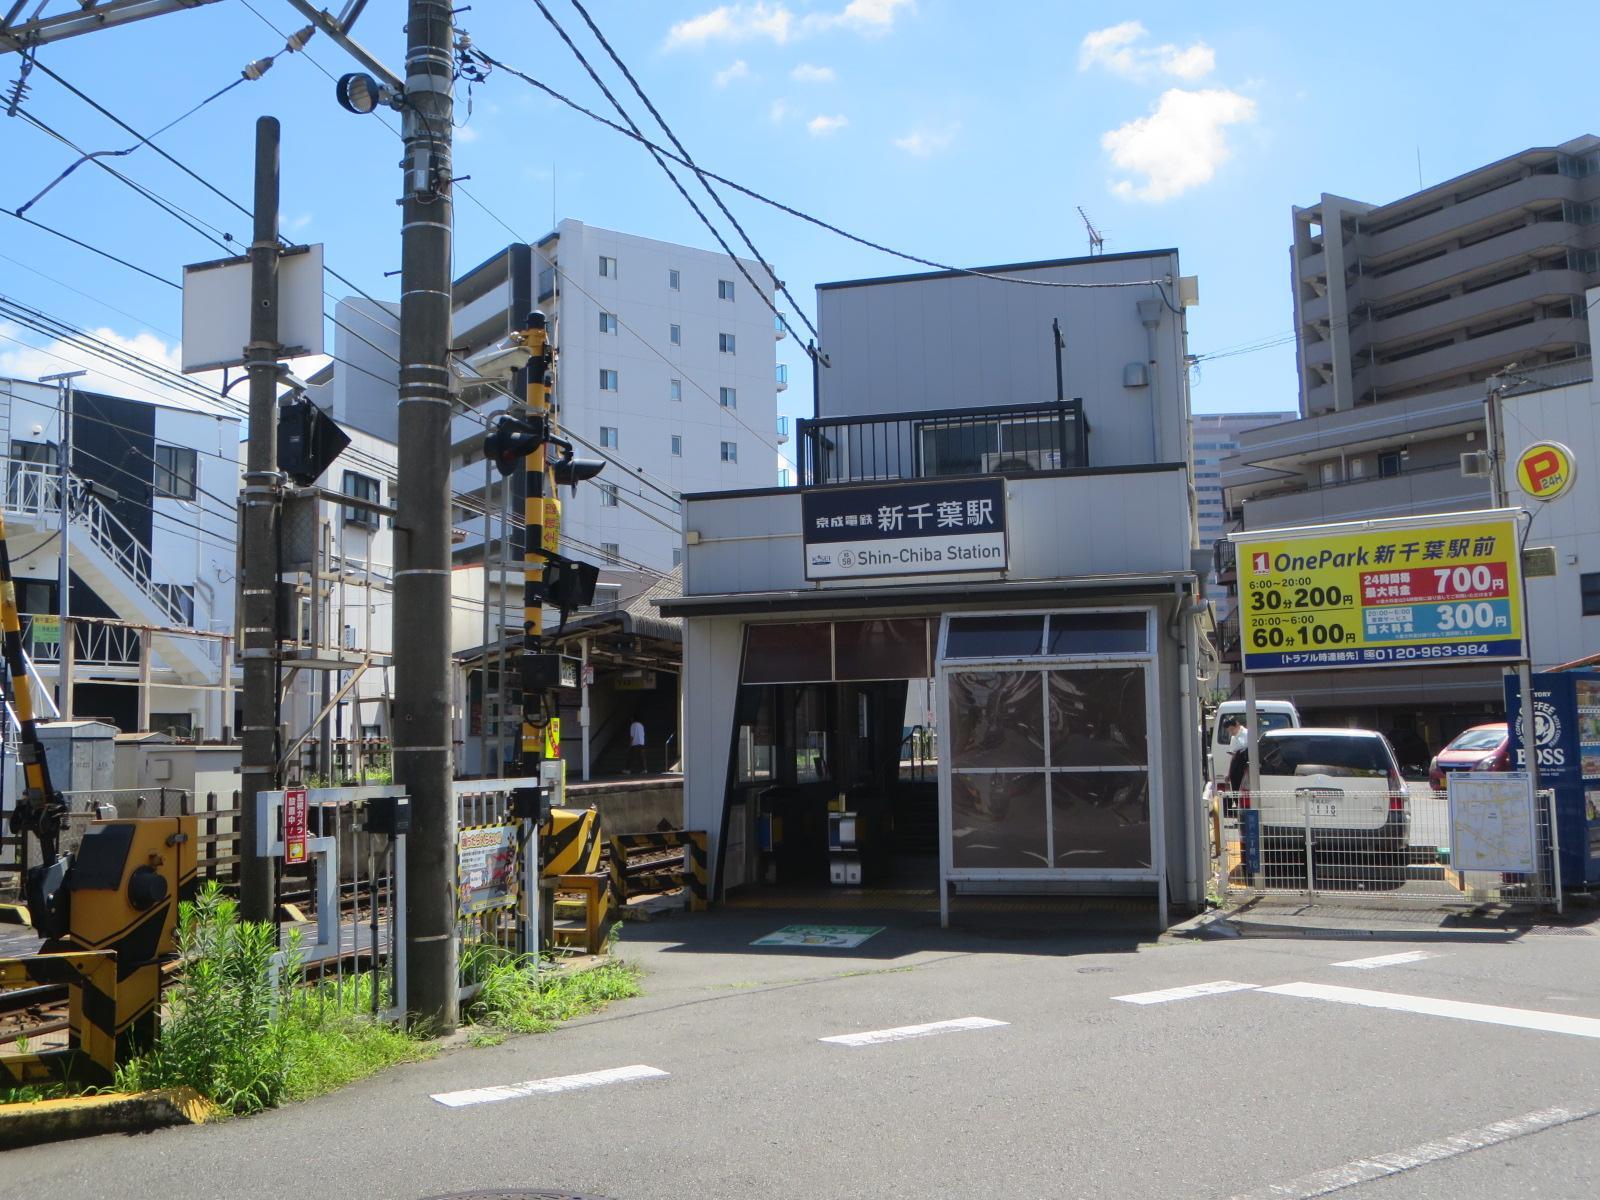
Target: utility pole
[63, 384]
[422, 709]
[263, 498]
[541, 533]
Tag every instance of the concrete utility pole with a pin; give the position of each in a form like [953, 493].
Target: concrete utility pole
[422, 733]
[263, 497]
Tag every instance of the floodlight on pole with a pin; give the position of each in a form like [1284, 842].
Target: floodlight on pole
[361, 94]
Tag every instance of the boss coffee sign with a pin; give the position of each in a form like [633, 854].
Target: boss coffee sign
[921, 527]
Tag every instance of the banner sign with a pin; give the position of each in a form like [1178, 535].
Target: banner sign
[1394, 593]
[46, 630]
[294, 825]
[921, 527]
[486, 867]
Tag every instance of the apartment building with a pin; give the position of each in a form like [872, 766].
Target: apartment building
[1215, 436]
[1405, 315]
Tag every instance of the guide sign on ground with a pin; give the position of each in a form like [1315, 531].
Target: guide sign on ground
[830, 937]
[1412, 592]
[1492, 822]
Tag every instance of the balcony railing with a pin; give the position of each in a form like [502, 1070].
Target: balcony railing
[780, 327]
[1021, 439]
[783, 430]
[782, 376]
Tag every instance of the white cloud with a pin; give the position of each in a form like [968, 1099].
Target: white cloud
[30, 362]
[807, 73]
[733, 23]
[467, 133]
[779, 112]
[1117, 48]
[777, 23]
[925, 143]
[821, 126]
[1179, 145]
[738, 69]
[302, 222]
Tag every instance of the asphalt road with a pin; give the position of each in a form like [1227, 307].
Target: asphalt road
[1077, 1094]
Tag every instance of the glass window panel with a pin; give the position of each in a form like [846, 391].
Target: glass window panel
[887, 649]
[1101, 819]
[1098, 633]
[787, 653]
[994, 637]
[998, 820]
[808, 734]
[756, 735]
[997, 719]
[1097, 718]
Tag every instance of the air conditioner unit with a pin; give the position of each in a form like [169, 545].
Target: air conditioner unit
[1020, 462]
[1475, 464]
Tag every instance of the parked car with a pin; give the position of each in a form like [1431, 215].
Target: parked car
[1481, 748]
[1270, 714]
[1347, 784]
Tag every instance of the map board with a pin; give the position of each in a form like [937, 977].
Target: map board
[1492, 826]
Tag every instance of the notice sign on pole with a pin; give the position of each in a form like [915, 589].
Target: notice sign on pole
[294, 825]
[922, 527]
[46, 630]
[1412, 592]
[486, 862]
[1492, 826]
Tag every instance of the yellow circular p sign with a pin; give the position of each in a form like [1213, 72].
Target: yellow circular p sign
[1545, 470]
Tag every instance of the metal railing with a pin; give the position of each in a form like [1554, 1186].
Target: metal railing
[1020, 439]
[35, 489]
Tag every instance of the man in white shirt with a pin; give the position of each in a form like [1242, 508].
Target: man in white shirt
[636, 743]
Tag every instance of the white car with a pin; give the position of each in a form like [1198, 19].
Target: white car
[1346, 784]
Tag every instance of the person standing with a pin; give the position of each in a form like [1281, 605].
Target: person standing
[636, 744]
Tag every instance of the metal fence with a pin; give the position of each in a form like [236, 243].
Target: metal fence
[1324, 844]
[498, 915]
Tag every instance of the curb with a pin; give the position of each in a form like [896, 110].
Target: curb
[1249, 928]
[1213, 924]
[35, 1122]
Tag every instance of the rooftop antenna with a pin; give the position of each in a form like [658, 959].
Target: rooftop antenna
[1097, 244]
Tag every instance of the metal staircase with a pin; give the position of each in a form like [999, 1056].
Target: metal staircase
[109, 558]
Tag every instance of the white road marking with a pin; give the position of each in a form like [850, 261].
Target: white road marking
[1362, 1170]
[544, 1087]
[1460, 1010]
[1186, 993]
[903, 1032]
[1387, 960]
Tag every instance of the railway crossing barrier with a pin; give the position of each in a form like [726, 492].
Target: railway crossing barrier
[90, 1056]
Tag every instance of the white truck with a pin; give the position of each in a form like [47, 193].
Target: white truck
[1270, 714]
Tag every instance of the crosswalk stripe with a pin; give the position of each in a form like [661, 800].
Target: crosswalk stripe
[1460, 1010]
[1189, 992]
[1387, 960]
[903, 1032]
[545, 1087]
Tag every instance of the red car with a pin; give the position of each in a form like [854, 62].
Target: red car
[1481, 748]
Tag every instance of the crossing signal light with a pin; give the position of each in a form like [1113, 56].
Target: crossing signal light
[511, 441]
[570, 471]
[567, 583]
[308, 441]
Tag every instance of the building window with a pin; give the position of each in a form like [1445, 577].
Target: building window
[675, 334]
[608, 380]
[730, 452]
[363, 487]
[677, 556]
[730, 397]
[608, 495]
[725, 343]
[608, 267]
[608, 435]
[724, 289]
[677, 445]
[610, 551]
[673, 279]
[175, 472]
[1330, 473]
[608, 322]
[1389, 464]
[1590, 586]
[675, 390]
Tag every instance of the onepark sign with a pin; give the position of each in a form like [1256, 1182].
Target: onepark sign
[921, 527]
[1414, 592]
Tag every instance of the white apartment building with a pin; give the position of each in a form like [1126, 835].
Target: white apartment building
[1216, 435]
[666, 365]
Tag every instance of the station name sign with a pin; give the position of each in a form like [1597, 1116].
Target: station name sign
[1423, 592]
[920, 527]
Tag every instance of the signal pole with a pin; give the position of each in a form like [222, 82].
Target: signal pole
[262, 495]
[542, 532]
[422, 709]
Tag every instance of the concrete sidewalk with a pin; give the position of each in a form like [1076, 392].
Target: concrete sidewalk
[1294, 917]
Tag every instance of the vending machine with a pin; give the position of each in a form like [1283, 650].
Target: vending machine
[1566, 706]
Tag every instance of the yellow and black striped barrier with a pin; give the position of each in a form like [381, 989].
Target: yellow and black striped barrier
[570, 843]
[693, 875]
[90, 1056]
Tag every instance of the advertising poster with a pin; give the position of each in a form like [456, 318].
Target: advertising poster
[294, 825]
[1396, 593]
[486, 865]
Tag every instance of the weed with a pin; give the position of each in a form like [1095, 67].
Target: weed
[516, 996]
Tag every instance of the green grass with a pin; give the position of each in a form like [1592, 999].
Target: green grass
[517, 997]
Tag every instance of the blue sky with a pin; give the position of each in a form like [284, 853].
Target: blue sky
[962, 133]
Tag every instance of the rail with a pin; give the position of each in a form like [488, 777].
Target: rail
[1019, 439]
